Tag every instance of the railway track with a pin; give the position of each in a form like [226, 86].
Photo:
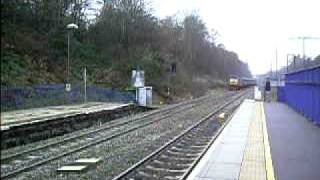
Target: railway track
[176, 159]
[16, 163]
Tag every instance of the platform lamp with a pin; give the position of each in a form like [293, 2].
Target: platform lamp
[69, 27]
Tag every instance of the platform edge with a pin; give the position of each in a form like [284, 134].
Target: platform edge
[267, 150]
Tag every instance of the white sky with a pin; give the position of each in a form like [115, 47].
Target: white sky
[254, 29]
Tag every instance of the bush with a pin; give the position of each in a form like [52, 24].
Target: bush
[13, 68]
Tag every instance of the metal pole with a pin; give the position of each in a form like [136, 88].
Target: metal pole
[85, 84]
[277, 66]
[287, 63]
[137, 95]
[68, 61]
[270, 69]
[303, 48]
[168, 92]
[303, 51]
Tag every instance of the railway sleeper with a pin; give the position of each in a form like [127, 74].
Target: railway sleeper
[164, 169]
[170, 166]
[185, 150]
[176, 161]
[198, 144]
[164, 175]
[195, 144]
[143, 175]
[176, 158]
[182, 154]
[171, 177]
[192, 146]
[171, 163]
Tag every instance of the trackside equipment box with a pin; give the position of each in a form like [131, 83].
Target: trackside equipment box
[144, 96]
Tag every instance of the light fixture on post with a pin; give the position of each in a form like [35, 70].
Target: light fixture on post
[68, 84]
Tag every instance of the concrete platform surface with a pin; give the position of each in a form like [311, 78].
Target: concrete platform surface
[224, 158]
[52, 112]
[254, 159]
[263, 141]
[242, 150]
[295, 143]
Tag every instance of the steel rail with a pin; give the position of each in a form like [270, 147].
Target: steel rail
[159, 150]
[205, 150]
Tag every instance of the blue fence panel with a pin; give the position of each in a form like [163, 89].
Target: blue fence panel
[281, 94]
[302, 93]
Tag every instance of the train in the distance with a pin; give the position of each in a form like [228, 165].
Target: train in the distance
[237, 83]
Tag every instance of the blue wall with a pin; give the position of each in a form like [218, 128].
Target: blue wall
[302, 93]
[55, 94]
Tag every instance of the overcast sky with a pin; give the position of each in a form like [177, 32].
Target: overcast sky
[254, 29]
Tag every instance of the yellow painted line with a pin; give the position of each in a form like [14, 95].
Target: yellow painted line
[253, 164]
[267, 152]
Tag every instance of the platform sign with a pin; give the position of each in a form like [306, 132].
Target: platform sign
[137, 78]
[68, 87]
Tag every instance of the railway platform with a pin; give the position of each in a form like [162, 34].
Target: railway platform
[31, 125]
[263, 141]
[36, 115]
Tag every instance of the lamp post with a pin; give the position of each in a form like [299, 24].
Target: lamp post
[294, 63]
[69, 27]
[85, 84]
[277, 77]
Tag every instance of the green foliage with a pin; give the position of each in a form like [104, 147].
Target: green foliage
[13, 66]
[124, 35]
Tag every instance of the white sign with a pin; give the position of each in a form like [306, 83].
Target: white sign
[68, 87]
[137, 78]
